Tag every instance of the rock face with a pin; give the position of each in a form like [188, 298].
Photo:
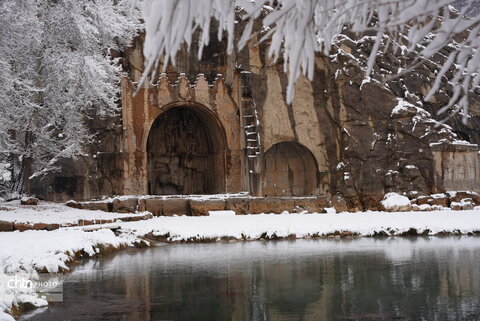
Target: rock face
[98, 172]
[339, 203]
[221, 124]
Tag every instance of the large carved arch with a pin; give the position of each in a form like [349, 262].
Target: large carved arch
[212, 105]
[289, 170]
[186, 149]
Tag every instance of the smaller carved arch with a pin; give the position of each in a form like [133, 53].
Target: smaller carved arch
[290, 169]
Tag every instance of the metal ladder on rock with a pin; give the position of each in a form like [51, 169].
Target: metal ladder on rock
[251, 123]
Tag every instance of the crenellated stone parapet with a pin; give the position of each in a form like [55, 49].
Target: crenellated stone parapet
[182, 90]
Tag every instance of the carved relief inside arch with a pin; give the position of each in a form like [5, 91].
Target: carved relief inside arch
[185, 153]
[290, 170]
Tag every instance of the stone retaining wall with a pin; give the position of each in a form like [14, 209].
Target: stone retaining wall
[179, 205]
[200, 205]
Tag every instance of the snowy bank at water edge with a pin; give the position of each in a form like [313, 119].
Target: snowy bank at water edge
[250, 227]
[14, 297]
[25, 253]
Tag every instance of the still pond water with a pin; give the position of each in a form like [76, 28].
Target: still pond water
[358, 279]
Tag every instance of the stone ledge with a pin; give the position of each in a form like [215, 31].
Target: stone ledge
[453, 147]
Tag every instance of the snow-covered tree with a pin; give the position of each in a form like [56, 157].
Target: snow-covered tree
[298, 29]
[57, 70]
[19, 45]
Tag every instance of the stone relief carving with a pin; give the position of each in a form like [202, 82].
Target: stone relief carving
[290, 170]
[179, 154]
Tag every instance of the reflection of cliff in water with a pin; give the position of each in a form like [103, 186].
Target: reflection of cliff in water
[362, 279]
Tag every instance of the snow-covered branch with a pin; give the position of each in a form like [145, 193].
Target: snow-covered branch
[299, 29]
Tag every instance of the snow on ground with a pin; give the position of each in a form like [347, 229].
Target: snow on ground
[50, 213]
[26, 252]
[303, 225]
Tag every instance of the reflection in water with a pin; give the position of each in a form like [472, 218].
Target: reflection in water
[360, 279]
